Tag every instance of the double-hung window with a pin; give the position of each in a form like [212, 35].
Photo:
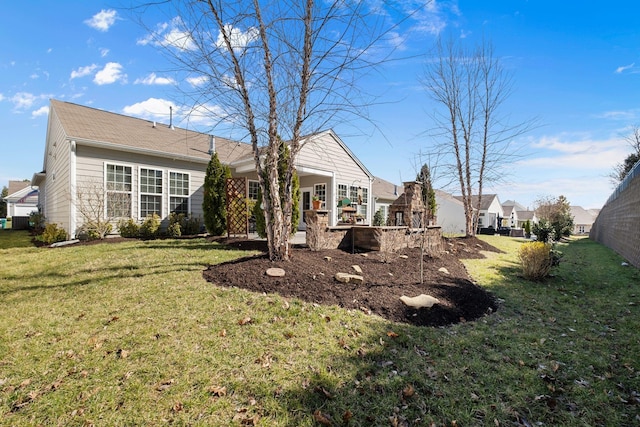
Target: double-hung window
[254, 189]
[179, 192]
[150, 192]
[118, 187]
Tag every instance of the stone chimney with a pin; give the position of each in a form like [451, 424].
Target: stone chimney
[408, 209]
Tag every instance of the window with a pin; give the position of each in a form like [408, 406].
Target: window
[342, 192]
[118, 185]
[254, 189]
[179, 193]
[320, 190]
[362, 208]
[150, 192]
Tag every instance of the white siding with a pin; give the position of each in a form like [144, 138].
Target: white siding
[91, 165]
[324, 152]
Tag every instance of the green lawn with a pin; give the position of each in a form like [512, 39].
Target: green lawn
[130, 334]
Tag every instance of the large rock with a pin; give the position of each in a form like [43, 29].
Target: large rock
[275, 272]
[420, 301]
[349, 278]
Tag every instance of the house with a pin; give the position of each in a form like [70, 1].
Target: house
[490, 213]
[141, 167]
[385, 193]
[450, 213]
[583, 219]
[21, 199]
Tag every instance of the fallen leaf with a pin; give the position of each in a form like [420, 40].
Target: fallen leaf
[322, 419]
[323, 391]
[408, 391]
[122, 354]
[392, 334]
[25, 383]
[177, 407]
[165, 385]
[244, 321]
[218, 390]
[223, 333]
[347, 416]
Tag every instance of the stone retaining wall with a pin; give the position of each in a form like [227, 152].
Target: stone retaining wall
[618, 224]
[385, 239]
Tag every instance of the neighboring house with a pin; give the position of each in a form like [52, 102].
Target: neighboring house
[450, 213]
[511, 218]
[142, 167]
[490, 213]
[583, 219]
[526, 215]
[385, 193]
[22, 199]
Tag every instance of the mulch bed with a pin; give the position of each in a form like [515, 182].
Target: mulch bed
[310, 276]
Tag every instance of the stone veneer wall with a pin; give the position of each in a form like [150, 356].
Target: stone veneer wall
[618, 224]
[386, 239]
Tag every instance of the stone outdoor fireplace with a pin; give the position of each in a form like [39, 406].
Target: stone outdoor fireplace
[408, 209]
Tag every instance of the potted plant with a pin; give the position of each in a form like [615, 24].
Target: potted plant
[316, 202]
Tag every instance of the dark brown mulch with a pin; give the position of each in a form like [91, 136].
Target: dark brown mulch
[310, 276]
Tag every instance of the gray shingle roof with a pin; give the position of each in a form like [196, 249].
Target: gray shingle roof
[91, 124]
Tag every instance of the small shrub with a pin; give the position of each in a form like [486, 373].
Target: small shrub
[190, 225]
[96, 231]
[378, 218]
[173, 230]
[544, 231]
[536, 260]
[128, 228]
[37, 222]
[52, 233]
[150, 228]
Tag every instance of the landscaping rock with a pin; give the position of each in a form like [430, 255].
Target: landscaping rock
[349, 278]
[420, 301]
[275, 272]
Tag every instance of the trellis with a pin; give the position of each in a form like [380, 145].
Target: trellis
[236, 190]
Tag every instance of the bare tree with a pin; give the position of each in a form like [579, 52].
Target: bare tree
[276, 69]
[99, 209]
[473, 139]
[621, 170]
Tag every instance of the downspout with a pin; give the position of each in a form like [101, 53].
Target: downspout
[333, 220]
[73, 215]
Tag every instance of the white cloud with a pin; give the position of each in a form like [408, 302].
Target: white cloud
[151, 109]
[102, 20]
[158, 109]
[239, 39]
[104, 52]
[171, 34]
[152, 79]
[197, 81]
[83, 71]
[111, 73]
[23, 100]
[625, 68]
[42, 111]
[629, 115]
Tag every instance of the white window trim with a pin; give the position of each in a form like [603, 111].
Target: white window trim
[169, 195]
[106, 190]
[162, 190]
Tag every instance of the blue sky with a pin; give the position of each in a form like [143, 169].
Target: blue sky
[576, 68]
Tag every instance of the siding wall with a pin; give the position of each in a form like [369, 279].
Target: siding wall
[325, 153]
[90, 169]
[55, 203]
